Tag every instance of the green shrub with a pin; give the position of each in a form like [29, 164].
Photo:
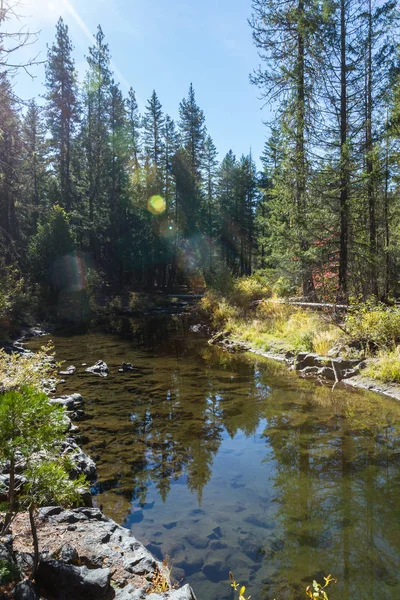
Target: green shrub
[283, 288]
[374, 325]
[8, 572]
[94, 286]
[386, 367]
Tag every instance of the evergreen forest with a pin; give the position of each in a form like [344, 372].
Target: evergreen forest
[93, 189]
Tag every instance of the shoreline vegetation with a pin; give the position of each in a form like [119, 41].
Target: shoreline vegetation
[247, 314]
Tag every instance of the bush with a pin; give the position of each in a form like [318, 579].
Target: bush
[94, 286]
[52, 241]
[283, 288]
[248, 289]
[386, 368]
[15, 297]
[38, 369]
[374, 325]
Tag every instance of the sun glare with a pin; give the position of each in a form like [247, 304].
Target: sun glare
[156, 205]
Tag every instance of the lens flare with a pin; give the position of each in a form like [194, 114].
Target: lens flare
[156, 205]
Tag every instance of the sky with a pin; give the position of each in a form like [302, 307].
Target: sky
[165, 45]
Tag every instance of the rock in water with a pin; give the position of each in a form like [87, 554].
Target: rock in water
[69, 370]
[100, 368]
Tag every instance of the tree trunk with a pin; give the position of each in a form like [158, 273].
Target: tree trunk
[34, 540]
[344, 176]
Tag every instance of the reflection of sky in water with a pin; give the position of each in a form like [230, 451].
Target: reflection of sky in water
[228, 463]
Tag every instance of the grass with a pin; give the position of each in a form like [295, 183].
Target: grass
[271, 325]
[386, 367]
[370, 329]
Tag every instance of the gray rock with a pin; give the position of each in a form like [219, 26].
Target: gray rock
[216, 570]
[25, 590]
[304, 360]
[99, 368]
[68, 582]
[350, 373]
[69, 402]
[5, 553]
[69, 555]
[125, 367]
[129, 592]
[309, 370]
[69, 370]
[197, 541]
[327, 373]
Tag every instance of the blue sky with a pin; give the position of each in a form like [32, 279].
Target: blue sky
[164, 45]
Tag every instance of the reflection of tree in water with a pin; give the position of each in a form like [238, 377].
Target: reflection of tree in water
[337, 481]
[178, 433]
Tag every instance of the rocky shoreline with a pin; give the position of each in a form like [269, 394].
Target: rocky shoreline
[84, 555]
[335, 369]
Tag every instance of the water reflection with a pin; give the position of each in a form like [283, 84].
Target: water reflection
[227, 462]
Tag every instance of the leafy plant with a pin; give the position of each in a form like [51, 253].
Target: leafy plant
[8, 572]
[28, 424]
[316, 590]
[161, 580]
[49, 483]
[18, 369]
[238, 588]
[375, 325]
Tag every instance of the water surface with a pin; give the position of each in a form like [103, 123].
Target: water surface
[230, 462]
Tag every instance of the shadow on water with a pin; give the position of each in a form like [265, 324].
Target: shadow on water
[230, 462]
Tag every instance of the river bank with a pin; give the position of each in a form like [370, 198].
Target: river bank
[313, 344]
[318, 368]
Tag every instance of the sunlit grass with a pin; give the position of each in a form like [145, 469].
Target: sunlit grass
[386, 367]
[272, 325]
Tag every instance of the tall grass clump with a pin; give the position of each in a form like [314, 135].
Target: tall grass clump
[386, 367]
[374, 325]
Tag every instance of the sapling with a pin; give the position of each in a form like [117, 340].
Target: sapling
[48, 483]
[29, 425]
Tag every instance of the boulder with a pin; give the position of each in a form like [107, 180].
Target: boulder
[25, 590]
[70, 402]
[309, 371]
[327, 373]
[305, 359]
[68, 371]
[99, 368]
[68, 582]
[69, 555]
[125, 367]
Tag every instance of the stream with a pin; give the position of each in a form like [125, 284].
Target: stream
[229, 462]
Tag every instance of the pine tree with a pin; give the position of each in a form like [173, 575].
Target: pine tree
[9, 160]
[193, 132]
[134, 125]
[153, 142]
[33, 172]
[96, 140]
[284, 34]
[210, 165]
[62, 111]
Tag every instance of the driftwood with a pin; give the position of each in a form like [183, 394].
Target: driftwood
[316, 305]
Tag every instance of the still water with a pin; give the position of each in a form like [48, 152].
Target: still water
[230, 462]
